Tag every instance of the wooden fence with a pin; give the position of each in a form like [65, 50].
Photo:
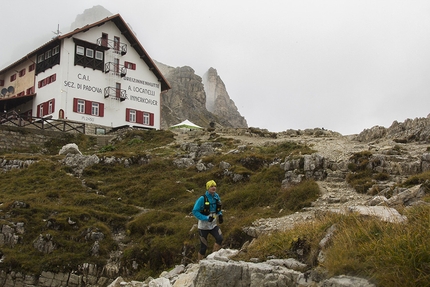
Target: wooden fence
[12, 118]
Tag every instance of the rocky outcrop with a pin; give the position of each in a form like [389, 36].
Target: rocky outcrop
[416, 130]
[219, 102]
[219, 270]
[6, 164]
[187, 99]
[87, 275]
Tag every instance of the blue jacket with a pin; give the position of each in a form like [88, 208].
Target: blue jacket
[199, 206]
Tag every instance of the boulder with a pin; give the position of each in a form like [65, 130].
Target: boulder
[71, 148]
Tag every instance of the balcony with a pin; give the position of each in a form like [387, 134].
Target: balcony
[118, 94]
[117, 69]
[118, 47]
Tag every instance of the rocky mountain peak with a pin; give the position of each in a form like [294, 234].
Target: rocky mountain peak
[219, 102]
[200, 100]
[90, 15]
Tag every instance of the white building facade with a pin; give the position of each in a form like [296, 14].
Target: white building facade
[99, 75]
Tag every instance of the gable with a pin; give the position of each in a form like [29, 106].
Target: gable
[125, 31]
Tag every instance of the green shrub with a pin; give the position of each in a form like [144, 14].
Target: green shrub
[261, 190]
[417, 179]
[299, 196]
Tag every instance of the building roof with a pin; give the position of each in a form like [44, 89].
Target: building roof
[125, 30]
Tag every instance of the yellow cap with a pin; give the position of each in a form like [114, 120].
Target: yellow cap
[209, 184]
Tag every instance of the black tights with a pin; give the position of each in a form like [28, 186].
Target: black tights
[215, 232]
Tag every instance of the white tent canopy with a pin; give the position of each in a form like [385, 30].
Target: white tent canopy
[186, 125]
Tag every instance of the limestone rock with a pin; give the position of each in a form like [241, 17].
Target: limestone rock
[384, 213]
[202, 101]
[71, 148]
[416, 130]
[218, 100]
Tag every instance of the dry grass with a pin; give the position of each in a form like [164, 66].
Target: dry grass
[151, 203]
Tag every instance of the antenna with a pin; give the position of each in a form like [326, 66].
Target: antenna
[58, 32]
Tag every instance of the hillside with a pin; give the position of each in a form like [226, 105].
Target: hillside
[123, 209]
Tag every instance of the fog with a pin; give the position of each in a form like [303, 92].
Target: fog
[340, 65]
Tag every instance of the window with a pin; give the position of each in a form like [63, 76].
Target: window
[129, 65]
[47, 81]
[30, 91]
[132, 116]
[95, 109]
[90, 53]
[80, 50]
[139, 117]
[50, 107]
[88, 107]
[46, 60]
[116, 65]
[118, 90]
[99, 55]
[22, 73]
[13, 77]
[146, 118]
[116, 43]
[1, 83]
[104, 39]
[55, 50]
[20, 94]
[31, 68]
[81, 106]
[46, 108]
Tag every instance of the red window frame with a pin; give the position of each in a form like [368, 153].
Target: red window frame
[130, 65]
[30, 91]
[88, 107]
[43, 108]
[139, 117]
[13, 77]
[47, 81]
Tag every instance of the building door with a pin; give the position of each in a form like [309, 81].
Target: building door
[116, 65]
[118, 90]
[116, 43]
[104, 39]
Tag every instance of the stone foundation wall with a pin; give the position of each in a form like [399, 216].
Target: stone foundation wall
[18, 138]
[48, 279]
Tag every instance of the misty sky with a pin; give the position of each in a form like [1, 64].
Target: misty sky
[344, 65]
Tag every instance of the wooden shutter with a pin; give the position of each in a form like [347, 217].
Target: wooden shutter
[151, 119]
[127, 115]
[75, 105]
[88, 106]
[45, 108]
[101, 110]
[139, 117]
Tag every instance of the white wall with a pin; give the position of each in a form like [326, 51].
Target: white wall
[85, 83]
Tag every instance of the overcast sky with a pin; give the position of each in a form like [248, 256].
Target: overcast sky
[344, 65]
